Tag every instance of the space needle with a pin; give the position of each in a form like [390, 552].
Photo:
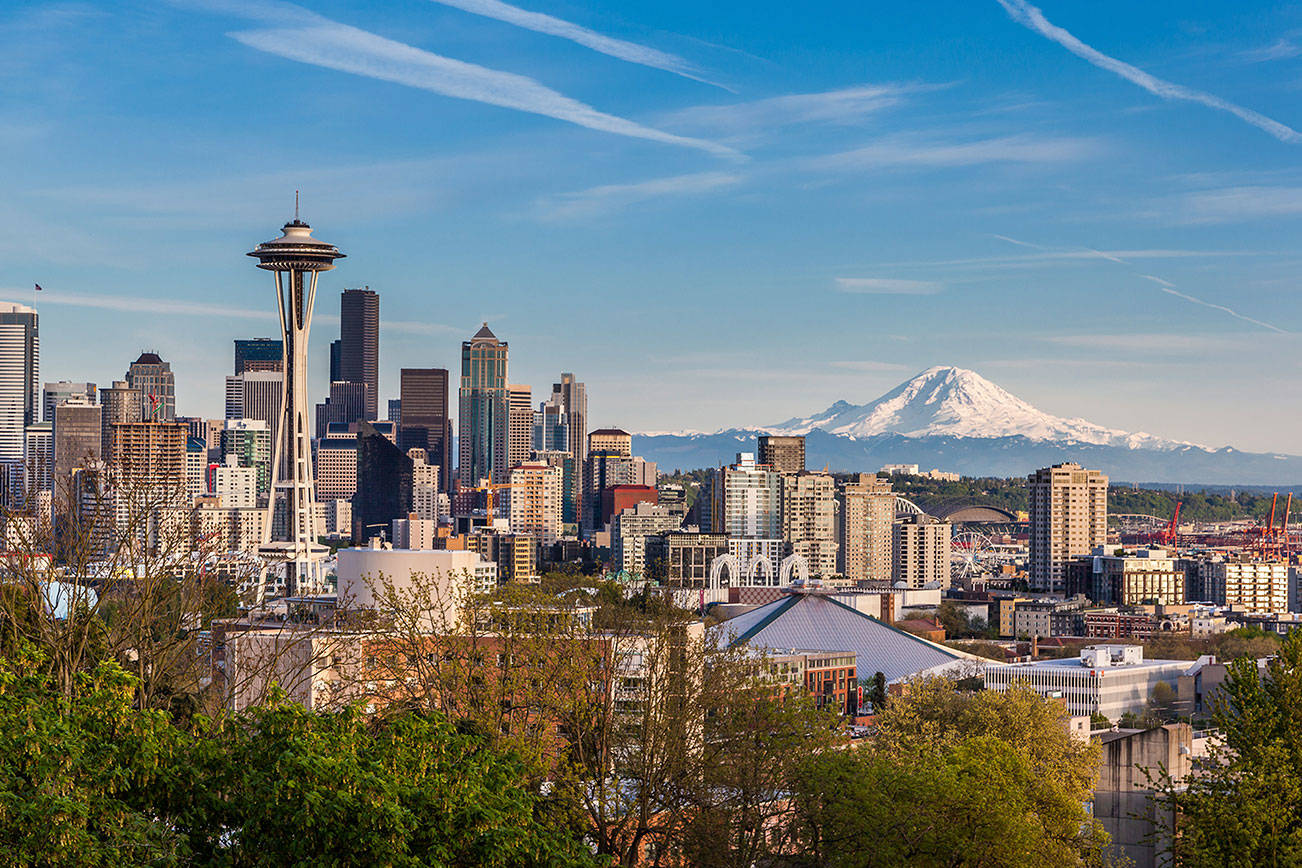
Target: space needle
[295, 258]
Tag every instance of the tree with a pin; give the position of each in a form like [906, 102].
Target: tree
[955, 779]
[74, 766]
[877, 692]
[1243, 806]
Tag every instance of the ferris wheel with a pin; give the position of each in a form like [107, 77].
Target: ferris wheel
[971, 554]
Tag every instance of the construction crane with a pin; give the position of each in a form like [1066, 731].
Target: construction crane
[1271, 540]
[489, 488]
[1168, 536]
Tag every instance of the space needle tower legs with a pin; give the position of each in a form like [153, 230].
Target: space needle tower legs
[296, 259]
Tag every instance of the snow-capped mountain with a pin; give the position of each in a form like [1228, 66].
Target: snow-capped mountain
[955, 402]
[957, 420]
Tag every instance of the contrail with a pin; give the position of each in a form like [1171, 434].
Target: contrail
[1031, 17]
[1222, 307]
[552, 26]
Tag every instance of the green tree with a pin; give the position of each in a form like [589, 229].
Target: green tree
[1244, 806]
[955, 779]
[75, 767]
[877, 692]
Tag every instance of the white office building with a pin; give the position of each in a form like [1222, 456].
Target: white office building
[1107, 679]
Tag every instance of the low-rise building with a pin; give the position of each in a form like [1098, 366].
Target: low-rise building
[1106, 679]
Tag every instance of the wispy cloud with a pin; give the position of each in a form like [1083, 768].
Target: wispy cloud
[173, 307]
[1280, 49]
[552, 26]
[1031, 17]
[1234, 204]
[901, 152]
[844, 106]
[867, 365]
[610, 197]
[306, 37]
[886, 286]
[1141, 342]
[140, 304]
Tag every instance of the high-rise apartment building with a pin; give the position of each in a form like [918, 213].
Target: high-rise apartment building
[336, 465]
[237, 486]
[64, 392]
[157, 386]
[571, 483]
[745, 500]
[1069, 517]
[519, 435]
[920, 551]
[424, 422]
[484, 419]
[151, 454]
[535, 508]
[427, 497]
[359, 343]
[259, 354]
[809, 520]
[783, 454]
[19, 383]
[867, 511]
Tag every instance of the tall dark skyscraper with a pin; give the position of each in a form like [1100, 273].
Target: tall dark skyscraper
[384, 483]
[483, 418]
[259, 354]
[334, 361]
[425, 423]
[359, 343]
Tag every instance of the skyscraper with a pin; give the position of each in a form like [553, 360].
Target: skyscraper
[483, 420]
[121, 403]
[425, 424]
[346, 405]
[562, 420]
[78, 432]
[384, 483]
[63, 392]
[259, 354]
[359, 343]
[19, 380]
[519, 408]
[1069, 517]
[153, 377]
[920, 552]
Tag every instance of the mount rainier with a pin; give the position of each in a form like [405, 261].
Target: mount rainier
[955, 419]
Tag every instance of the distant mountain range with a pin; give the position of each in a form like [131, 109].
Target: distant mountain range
[955, 419]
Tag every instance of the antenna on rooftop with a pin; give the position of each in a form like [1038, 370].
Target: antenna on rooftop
[295, 206]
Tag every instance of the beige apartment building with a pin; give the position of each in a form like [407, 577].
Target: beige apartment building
[920, 551]
[612, 441]
[1249, 585]
[867, 511]
[535, 508]
[809, 520]
[1069, 518]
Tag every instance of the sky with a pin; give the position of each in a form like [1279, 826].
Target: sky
[715, 215]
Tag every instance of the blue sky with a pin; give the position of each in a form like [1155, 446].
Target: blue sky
[715, 214]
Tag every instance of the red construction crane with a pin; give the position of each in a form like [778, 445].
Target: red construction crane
[1168, 536]
[1271, 540]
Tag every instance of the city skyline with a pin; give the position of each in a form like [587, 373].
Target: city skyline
[983, 191]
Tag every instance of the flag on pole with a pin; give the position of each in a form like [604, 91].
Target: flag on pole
[38, 287]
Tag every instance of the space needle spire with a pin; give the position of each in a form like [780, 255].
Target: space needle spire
[295, 258]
